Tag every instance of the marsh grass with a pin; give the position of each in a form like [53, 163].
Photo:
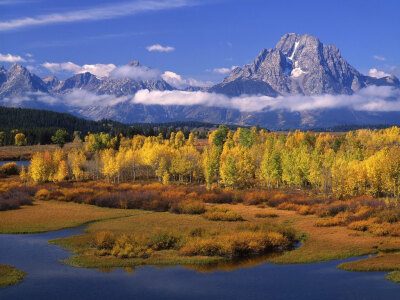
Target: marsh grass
[10, 276]
[54, 215]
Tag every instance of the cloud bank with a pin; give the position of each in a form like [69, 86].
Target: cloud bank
[11, 58]
[377, 73]
[179, 82]
[372, 98]
[99, 70]
[160, 48]
[94, 14]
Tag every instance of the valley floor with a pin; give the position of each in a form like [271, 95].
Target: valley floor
[317, 243]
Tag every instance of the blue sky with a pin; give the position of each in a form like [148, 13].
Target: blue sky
[203, 35]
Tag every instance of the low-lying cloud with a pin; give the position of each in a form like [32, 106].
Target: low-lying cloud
[135, 72]
[99, 70]
[179, 82]
[377, 73]
[372, 98]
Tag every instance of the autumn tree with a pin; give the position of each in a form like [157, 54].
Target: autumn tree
[20, 139]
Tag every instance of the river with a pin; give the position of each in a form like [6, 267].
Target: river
[47, 278]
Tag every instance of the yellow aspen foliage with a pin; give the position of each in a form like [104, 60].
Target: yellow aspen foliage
[62, 172]
[37, 168]
[20, 139]
[23, 175]
[179, 139]
[77, 162]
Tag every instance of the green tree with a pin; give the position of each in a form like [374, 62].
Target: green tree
[60, 138]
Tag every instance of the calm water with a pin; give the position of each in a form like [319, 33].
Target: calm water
[20, 163]
[49, 279]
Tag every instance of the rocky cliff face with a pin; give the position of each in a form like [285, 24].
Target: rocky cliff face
[17, 80]
[301, 64]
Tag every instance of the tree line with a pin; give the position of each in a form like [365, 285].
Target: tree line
[39, 126]
[357, 163]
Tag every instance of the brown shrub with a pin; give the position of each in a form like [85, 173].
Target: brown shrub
[9, 169]
[255, 197]
[104, 240]
[222, 214]
[277, 198]
[15, 196]
[191, 207]
[43, 194]
[266, 215]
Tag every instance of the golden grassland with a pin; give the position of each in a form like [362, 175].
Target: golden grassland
[26, 152]
[10, 276]
[141, 224]
[45, 216]
[318, 243]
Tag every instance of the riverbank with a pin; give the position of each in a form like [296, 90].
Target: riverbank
[318, 243]
[10, 276]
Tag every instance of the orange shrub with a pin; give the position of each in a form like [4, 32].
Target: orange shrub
[43, 194]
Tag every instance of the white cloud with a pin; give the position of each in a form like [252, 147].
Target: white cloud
[381, 58]
[223, 70]
[29, 55]
[99, 70]
[179, 82]
[11, 58]
[160, 48]
[377, 74]
[372, 98]
[96, 13]
[135, 72]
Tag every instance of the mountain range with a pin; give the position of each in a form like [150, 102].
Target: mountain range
[299, 65]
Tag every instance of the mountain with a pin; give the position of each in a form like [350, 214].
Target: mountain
[119, 86]
[17, 81]
[299, 64]
[51, 82]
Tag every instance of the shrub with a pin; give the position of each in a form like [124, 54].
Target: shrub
[236, 245]
[277, 199]
[43, 194]
[197, 232]
[380, 229]
[255, 197]
[104, 240]
[163, 240]
[15, 196]
[388, 215]
[222, 214]
[332, 209]
[9, 169]
[189, 207]
[131, 246]
[359, 225]
[266, 215]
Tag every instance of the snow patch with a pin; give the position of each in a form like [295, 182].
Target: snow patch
[296, 44]
[296, 72]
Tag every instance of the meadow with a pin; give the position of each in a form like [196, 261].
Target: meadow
[151, 200]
